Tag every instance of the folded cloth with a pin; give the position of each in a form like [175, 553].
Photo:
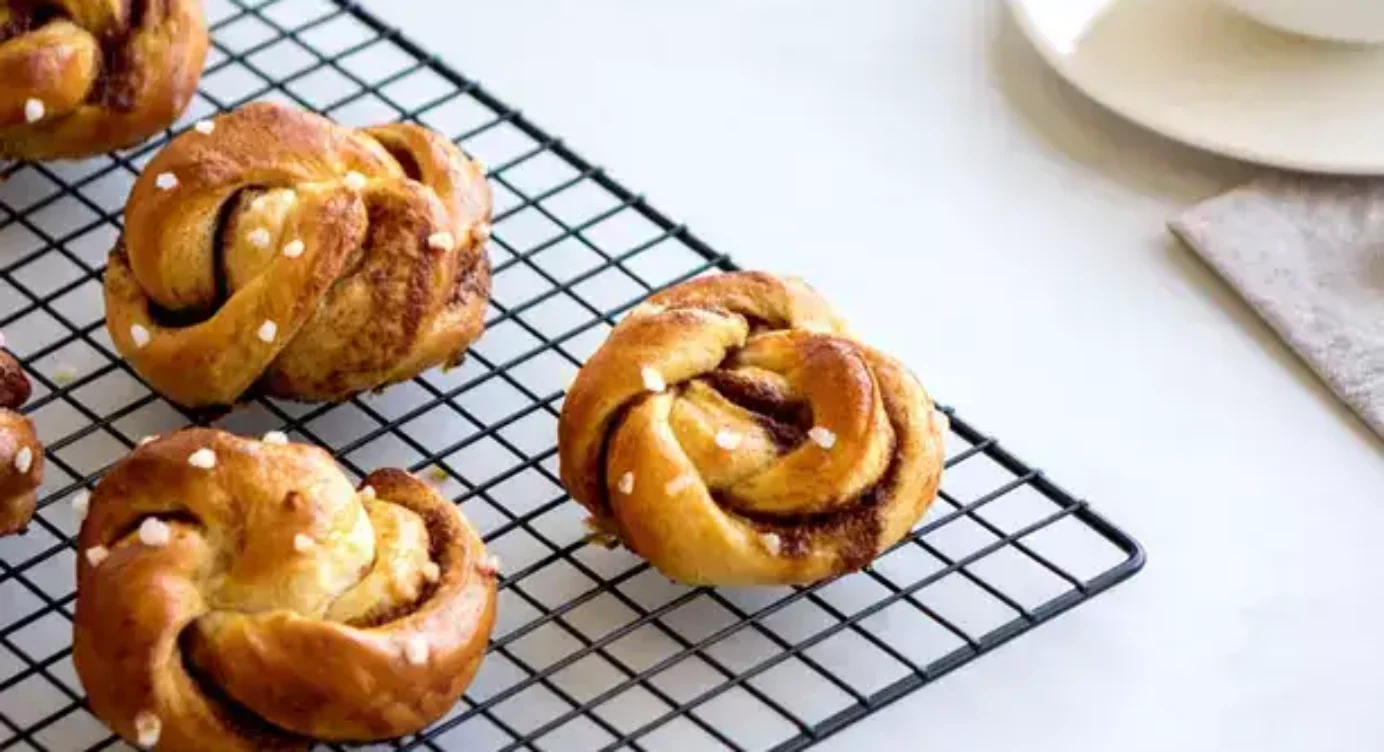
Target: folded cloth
[1308, 254]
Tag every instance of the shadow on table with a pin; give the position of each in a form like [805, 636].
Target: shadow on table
[1104, 143]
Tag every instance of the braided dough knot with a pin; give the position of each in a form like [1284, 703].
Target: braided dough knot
[21, 454]
[731, 432]
[311, 260]
[83, 77]
[239, 596]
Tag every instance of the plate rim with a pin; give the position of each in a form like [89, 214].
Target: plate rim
[1020, 12]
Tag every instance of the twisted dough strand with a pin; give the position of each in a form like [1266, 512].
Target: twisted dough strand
[236, 595]
[83, 77]
[731, 432]
[312, 260]
[21, 454]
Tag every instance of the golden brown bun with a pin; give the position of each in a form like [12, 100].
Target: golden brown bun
[362, 251]
[84, 77]
[782, 451]
[14, 385]
[21, 455]
[262, 602]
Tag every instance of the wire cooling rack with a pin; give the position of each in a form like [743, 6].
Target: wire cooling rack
[593, 650]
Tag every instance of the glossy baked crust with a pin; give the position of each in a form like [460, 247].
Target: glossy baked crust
[307, 260]
[731, 432]
[84, 77]
[240, 595]
[21, 454]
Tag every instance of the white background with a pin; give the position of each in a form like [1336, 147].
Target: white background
[971, 213]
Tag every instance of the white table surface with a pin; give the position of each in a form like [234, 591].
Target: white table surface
[971, 213]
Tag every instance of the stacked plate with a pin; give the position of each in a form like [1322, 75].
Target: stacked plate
[1252, 79]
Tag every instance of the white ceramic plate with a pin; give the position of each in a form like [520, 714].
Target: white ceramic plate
[1204, 75]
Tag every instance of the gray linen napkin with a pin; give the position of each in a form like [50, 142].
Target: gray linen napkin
[1308, 254]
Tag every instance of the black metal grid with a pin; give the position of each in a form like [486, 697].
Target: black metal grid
[593, 650]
